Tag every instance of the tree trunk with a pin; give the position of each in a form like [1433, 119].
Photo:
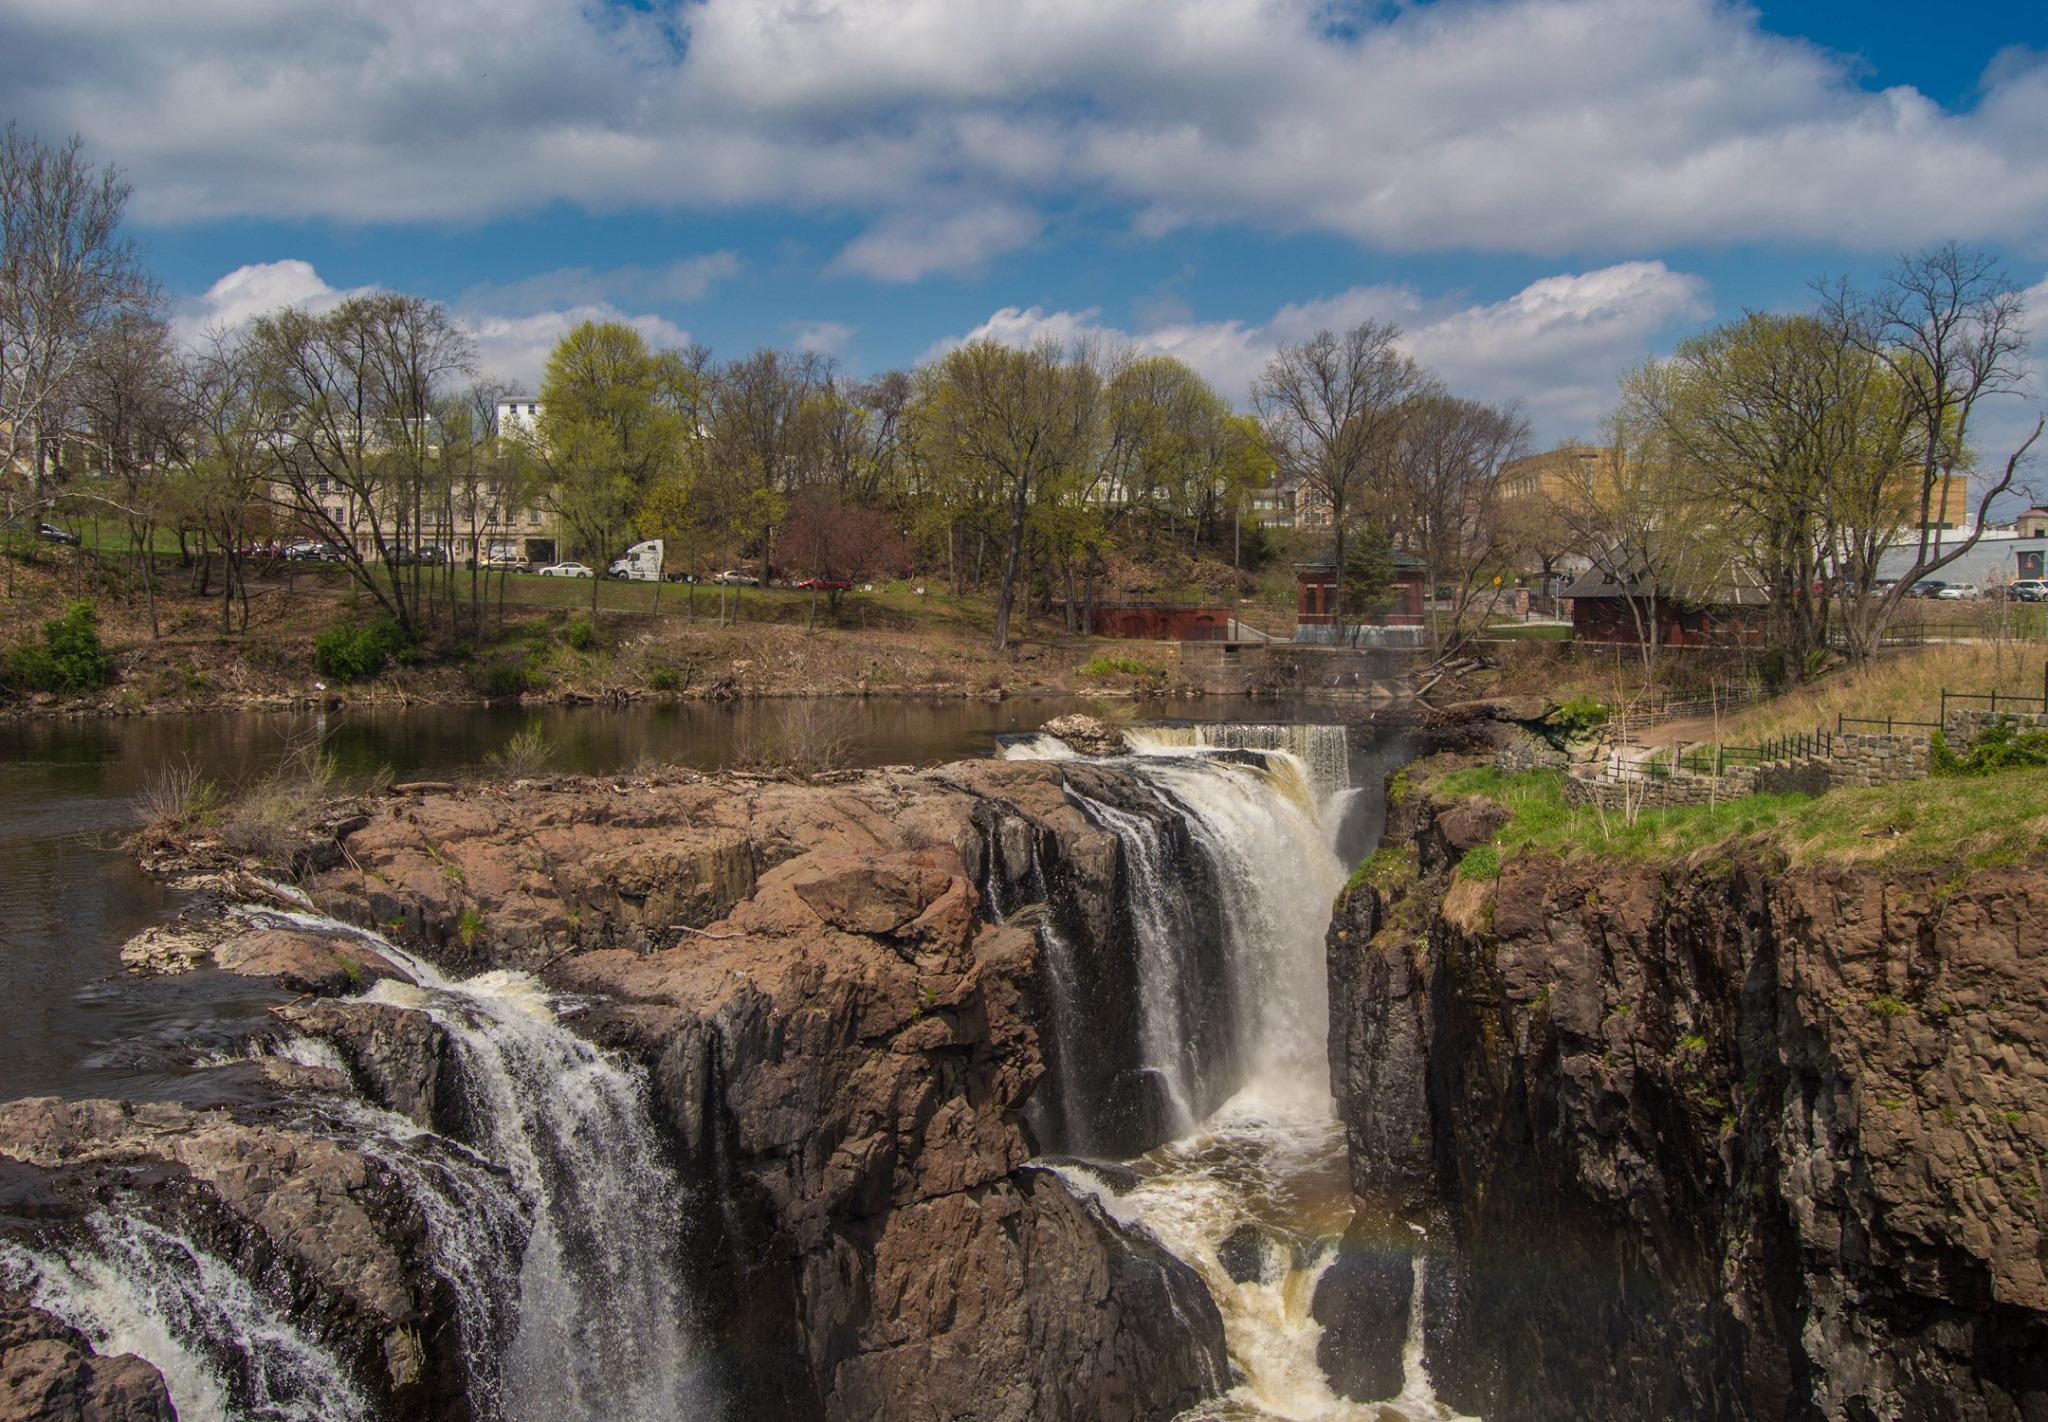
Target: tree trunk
[1020, 506]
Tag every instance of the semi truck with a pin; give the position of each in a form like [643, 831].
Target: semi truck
[639, 564]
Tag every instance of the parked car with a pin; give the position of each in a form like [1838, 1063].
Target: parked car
[504, 558]
[566, 570]
[1957, 592]
[432, 555]
[824, 584]
[50, 533]
[1927, 587]
[307, 550]
[2029, 590]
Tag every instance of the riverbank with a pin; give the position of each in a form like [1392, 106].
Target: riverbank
[567, 656]
[538, 641]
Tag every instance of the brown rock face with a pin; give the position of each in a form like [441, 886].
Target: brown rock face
[842, 1043]
[50, 1373]
[1722, 1140]
[1090, 735]
[304, 962]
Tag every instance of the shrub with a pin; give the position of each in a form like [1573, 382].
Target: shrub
[1999, 746]
[803, 737]
[506, 675]
[1578, 717]
[665, 679]
[527, 753]
[347, 652]
[1108, 665]
[581, 635]
[68, 658]
[270, 820]
[1481, 862]
[175, 797]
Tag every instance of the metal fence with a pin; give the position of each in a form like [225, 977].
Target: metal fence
[1995, 701]
[1888, 725]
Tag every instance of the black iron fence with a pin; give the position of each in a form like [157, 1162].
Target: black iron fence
[1886, 725]
[1996, 702]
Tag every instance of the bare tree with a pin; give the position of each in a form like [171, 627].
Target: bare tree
[1639, 527]
[1446, 504]
[219, 482]
[765, 437]
[1950, 326]
[66, 276]
[131, 409]
[348, 401]
[1331, 406]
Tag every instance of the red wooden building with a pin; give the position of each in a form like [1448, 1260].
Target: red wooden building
[1606, 609]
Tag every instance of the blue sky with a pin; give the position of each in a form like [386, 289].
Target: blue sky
[1541, 192]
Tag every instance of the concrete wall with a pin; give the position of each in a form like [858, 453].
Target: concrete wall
[1293, 668]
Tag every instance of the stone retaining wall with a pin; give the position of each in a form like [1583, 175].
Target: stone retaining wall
[1855, 760]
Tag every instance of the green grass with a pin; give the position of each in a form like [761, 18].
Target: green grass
[1527, 632]
[1112, 665]
[1973, 822]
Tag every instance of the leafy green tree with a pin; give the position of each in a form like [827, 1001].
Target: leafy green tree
[605, 434]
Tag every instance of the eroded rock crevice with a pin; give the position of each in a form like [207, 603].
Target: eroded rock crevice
[1733, 1137]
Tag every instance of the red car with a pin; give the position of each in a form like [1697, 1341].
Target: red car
[825, 584]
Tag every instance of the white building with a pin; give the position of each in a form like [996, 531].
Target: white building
[520, 415]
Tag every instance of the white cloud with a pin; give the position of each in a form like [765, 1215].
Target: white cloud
[256, 290]
[819, 337]
[685, 279]
[515, 348]
[1545, 126]
[1559, 345]
[512, 339]
[909, 246]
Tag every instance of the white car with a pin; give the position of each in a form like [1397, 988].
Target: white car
[566, 570]
[1957, 592]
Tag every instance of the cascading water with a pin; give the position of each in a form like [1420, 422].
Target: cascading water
[556, 1231]
[603, 1327]
[227, 1354]
[1255, 1197]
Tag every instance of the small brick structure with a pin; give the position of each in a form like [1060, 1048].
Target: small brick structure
[1161, 622]
[1315, 582]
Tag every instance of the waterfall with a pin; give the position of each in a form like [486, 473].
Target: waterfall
[1254, 1194]
[1228, 876]
[1168, 1015]
[604, 1331]
[477, 1222]
[226, 1353]
[557, 1232]
[1324, 751]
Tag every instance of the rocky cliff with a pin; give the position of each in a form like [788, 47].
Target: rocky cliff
[1734, 1137]
[841, 1035]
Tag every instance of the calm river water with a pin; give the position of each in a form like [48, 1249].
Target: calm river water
[76, 1025]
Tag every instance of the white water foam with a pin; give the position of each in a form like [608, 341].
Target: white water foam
[226, 1353]
[1272, 1158]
